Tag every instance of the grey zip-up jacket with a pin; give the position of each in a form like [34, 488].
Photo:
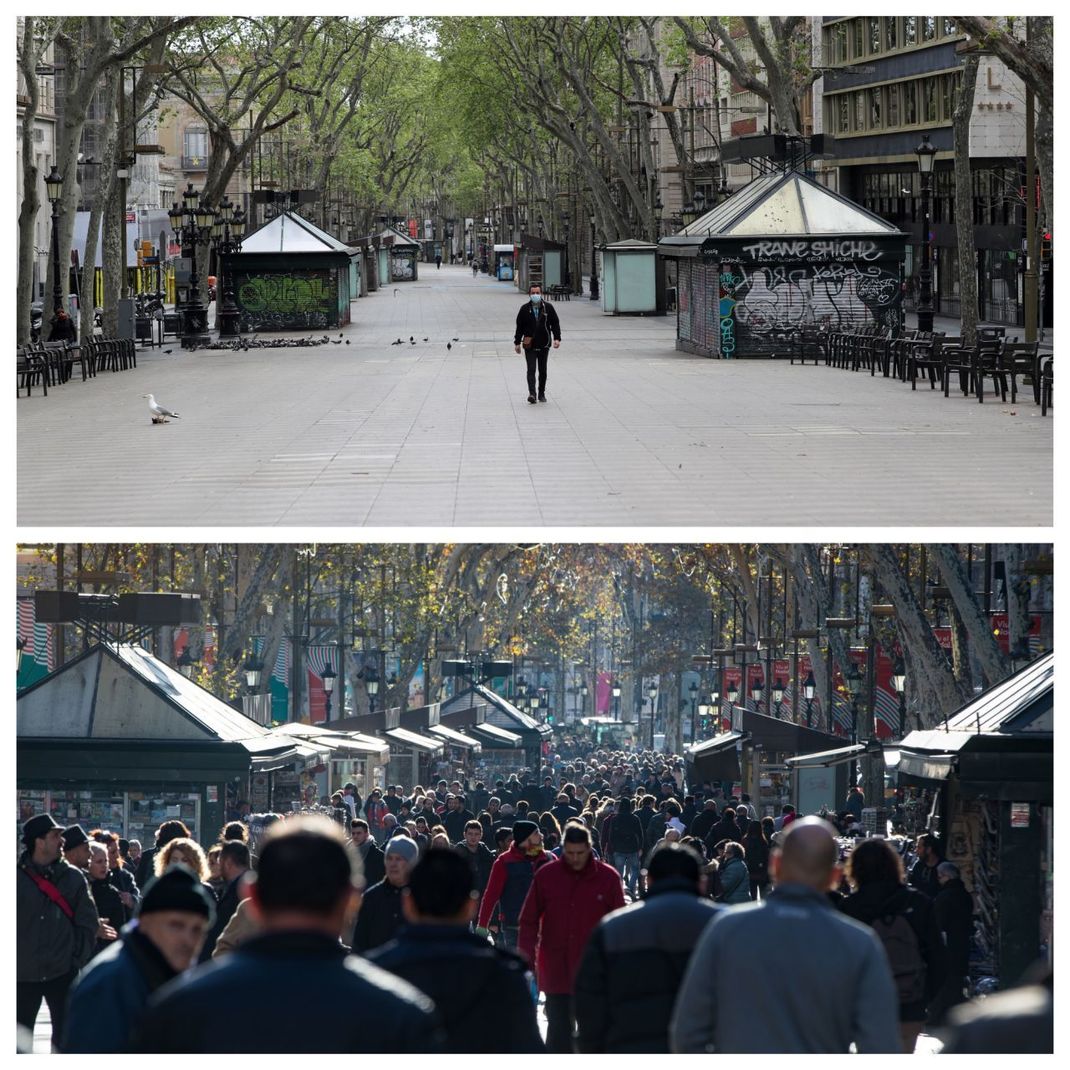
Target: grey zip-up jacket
[823, 979]
[48, 944]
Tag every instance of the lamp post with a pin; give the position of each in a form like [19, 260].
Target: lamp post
[809, 690]
[253, 668]
[54, 188]
[693, 692]
[652, 693]
[329, 676]
[616, 701]
[926, 153]
[731, 692]
[19, 644]
[594, 264]
[756, 694]
[899, 682]
[227, 233]
[371, 684]
[192, 223]
[584, 692]
[541, 224]
[853, 679]
[565, 217]
[778, 695]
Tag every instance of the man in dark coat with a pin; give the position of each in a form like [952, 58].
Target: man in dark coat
[380, 914]
[704, 820]
[56, 924]
[536, 321]
[111, 993]
[923, 873]
[564, 809]
[476, 853]
[438, 905]
[953, 907]
[456, 817]
[371, 854]
[303, 891]
[636, 958]
[725, 829]
[233, 864]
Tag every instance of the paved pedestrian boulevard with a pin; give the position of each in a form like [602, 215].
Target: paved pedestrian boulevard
[634, 433]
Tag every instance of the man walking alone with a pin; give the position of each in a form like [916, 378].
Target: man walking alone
[536, 325]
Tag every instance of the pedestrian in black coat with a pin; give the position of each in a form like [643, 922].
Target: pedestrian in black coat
[704, 821]
[536, 322]
[303, 892]
[953, 907]
[380, 912]
[479, 977]
[233, 865]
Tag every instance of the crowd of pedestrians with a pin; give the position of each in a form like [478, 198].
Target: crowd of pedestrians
[641, 913]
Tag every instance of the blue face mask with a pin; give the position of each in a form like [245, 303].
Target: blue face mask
[536, 298]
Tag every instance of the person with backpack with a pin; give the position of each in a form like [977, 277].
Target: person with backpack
[906, 923]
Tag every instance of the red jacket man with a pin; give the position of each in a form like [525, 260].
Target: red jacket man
[567, 900]
[509, 881]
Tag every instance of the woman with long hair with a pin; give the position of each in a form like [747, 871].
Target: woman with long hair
[551, 831]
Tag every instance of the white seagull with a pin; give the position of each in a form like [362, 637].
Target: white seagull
[159, 413]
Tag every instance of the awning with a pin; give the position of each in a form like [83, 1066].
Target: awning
[717, 758]
[413, 739]
[828, 757]
[458, 739]
[925, 766]
[349, 742]
[493, 736]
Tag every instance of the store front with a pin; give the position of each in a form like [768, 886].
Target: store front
[500, 713]
[990, 777]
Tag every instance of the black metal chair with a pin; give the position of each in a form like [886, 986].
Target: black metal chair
[924, 355]
[1021, 360]
[955, 357]
[1047, 386]
[988, 363]
[30, 369]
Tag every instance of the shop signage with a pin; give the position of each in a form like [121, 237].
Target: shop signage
[1019, 815]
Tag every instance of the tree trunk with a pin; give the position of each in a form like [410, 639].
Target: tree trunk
[964, 202]
[991, 660]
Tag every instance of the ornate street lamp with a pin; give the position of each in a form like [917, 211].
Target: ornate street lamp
[227, 234]
[329, 676]
[54, 188]
[809, 690]
[616, 701]
[853, 680]
[778, 695]
[371, 684]
[926, 153]
[594, 264]
[192, 224]
[756, 694]
[899, 682]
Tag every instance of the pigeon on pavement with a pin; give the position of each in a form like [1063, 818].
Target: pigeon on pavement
[159, 413]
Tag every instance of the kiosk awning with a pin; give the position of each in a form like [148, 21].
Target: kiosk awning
[493, 736]
[828, 757]
[458, 739]
[414, 739]
[717, 758]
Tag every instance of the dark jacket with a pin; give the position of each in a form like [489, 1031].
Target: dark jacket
[453, 821]
[111, 993]
[224, 911]
[145, 867]
[953, 907]
[632, 968]
[563, 811]
[735, 881]
[481, 861]
[725, 829]
[625, 835]
[374, 862]
[540, 326]
[886, 899]
[379, 918]
[923, 877]
[481, 993]
[109, 906]
[757, 858]
[47, 943]
[122, 880]
[358, 1007]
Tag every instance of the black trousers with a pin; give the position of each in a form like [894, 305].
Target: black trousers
[536, 356]
[559, 1023]
[28, 996]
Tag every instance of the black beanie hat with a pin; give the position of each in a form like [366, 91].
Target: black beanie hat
[178, 888]
[522, 829]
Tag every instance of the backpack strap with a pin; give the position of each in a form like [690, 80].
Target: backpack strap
[50, 891]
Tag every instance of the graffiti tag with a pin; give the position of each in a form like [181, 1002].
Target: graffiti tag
[284, 293]
[813, 249]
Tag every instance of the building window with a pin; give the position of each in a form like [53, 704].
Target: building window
[845, 114]
[910, 103]
[910, 30]
[928, 27]
[875, 109]
[891, 40]
[859, 39]
[928, 89]
[839, 43]
[860, 111]
[873, 32]
[950, 29]
[893, 104]
[947, 87]
[196, 142]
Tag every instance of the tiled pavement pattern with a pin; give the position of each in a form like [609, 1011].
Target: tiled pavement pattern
[634, 433]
